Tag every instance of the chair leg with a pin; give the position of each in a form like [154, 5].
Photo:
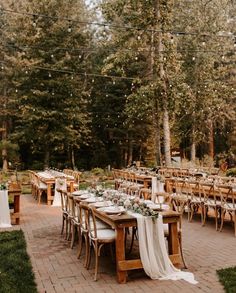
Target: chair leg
[89, 257]
[96, 261]
[86, 250]
[63, 225]
[181, 252]
[216, 218]
[66, 228]
[222, 219]
[80, 245]
[73, 230]
[204, 215]
[69, 230]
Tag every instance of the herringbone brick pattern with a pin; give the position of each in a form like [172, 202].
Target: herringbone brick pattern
[57, 268]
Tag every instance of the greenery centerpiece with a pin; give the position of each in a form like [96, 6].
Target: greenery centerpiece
[139, 206]
[3, 186]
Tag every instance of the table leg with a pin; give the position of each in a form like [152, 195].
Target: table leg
[49, 194]
[173, 242]
[120, 254]
[17, 208]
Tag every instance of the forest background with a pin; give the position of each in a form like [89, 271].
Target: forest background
[107, 82]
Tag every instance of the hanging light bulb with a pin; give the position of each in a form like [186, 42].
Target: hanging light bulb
[16, 90]
[72, 77]
[114, 82]
[193, 58]
[34, 22]
[49, 75]
[52, 56]
[139, 37]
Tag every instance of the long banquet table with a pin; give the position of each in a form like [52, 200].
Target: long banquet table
[120, 222]
[50, 180]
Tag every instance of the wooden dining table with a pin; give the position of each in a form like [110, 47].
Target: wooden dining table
[120, 222]
[50, 181]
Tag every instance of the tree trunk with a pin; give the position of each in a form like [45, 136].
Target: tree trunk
[72, 158]
[166, 125]
[155, 112]
[211, 139]
[130, 154]
[193, 148]
[166, 130]
[46, 157]
[193, 152]
[157, 138]
[4, 150]
[125, 160]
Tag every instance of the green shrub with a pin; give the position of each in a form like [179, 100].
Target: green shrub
[97, 171]
[231, 172]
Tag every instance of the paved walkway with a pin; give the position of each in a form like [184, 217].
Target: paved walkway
[57, 268]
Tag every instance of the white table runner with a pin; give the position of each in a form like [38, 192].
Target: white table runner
[5, 219]
[153, 252]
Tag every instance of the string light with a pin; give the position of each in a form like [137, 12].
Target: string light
[177, 33]
[94, 50]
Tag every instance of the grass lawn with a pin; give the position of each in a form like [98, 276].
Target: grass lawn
[228, 279]
[16, 274]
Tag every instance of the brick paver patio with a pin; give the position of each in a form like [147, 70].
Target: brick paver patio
[57, 268]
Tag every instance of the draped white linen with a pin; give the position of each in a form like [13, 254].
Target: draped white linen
[157, 186]
[5, 219]
[153, 252]
[60, 183]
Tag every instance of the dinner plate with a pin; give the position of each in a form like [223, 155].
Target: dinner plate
[83, 196]
[101, 204]
[90, 199]
[79, 192]
[112, 210]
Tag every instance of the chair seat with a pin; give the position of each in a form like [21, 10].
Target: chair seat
[180, 197]
[197, 200]
[105, 234]
[229, 206]
[212, 203]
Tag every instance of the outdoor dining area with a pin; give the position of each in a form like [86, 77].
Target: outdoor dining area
[141, 203]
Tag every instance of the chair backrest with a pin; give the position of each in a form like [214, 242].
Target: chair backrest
[92, 227]
[83, 217]
[70, 206]
[227, 196]
[209, 192]
[64, 201]
[76, 210]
